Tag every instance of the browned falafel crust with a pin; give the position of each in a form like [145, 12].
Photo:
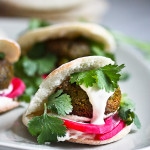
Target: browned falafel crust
[81, 103]
[6, 73]
[68, 48]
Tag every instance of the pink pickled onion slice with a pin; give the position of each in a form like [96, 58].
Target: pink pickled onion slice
[44, 76]
[18, 88]
[110, 123]
[112, 133]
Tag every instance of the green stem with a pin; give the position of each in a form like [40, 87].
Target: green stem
[141, 45]
[45, 109]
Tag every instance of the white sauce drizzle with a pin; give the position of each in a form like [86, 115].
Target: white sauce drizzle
[98, 98]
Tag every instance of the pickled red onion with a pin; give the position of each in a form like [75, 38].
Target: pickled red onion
[18, 88]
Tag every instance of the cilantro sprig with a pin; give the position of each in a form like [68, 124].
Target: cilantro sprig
[49, 128]
[60, 103]
[106, 77]
[127, 111]
[46, 128]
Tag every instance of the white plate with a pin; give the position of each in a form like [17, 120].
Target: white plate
[13, 134]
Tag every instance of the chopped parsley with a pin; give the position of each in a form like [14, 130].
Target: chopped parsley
[106, 77]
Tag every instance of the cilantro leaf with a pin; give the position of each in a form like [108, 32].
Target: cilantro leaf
[46, 64]
[124, 76]
[59, 103]
[98, 50]
[86, 78]
[2, 55]
[31, 71]
[112, 73]
[38, 50]
[29, 66]
[37, 23]
[46, 128]
[137, 121]
[105, 77]
[126, 111]
[103, 82]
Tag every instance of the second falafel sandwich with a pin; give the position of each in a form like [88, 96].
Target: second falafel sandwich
[46, 48]
[79, 102]
[10, 87]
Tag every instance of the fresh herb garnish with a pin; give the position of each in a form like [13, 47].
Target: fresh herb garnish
[59, 103]
[46, 128]
[2, 55]
[38, 50]
[141, 45]
[126, 111]
[98, 50]
[32, 66]
[31, 71]
[37, 23]
[105, 77]
[124, 76]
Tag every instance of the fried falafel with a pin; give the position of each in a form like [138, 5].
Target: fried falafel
[6, 73]
[80, 100]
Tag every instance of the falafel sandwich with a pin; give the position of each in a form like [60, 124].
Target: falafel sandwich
[80, 102]
[46, 48]
[10, 86]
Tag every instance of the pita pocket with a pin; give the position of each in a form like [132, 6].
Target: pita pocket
[10, 86]
[46, 48]
[78, 102]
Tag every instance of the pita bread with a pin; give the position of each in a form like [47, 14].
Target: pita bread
[89, 141]
[89, 10]
[12, 53]
[11, 49]
[48, 5]
[7, 104]
[70, 30]
[55, 78]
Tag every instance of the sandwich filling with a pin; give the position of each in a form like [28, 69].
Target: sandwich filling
[90, 102]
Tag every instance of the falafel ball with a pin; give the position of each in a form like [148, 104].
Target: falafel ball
[80, 101]
[68, 48]
[6, 73]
